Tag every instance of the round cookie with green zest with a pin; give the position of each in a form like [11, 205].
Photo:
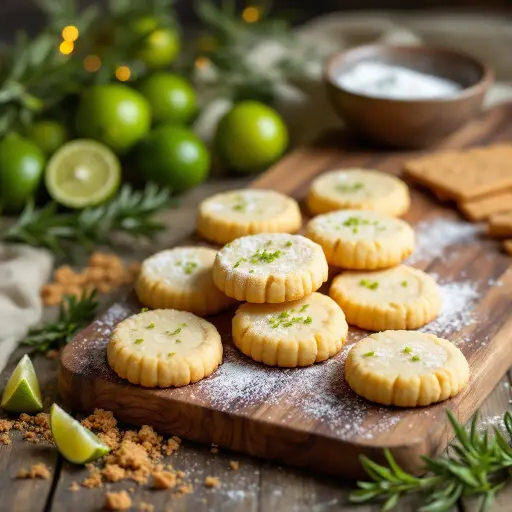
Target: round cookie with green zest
[401, 297]
[362, 240]
[181, 278]
[270, 268]
[358, 189]
[290, 334]
[406, 369]
[224, 217]
[164, 348]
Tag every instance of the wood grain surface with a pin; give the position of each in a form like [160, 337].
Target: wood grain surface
[309, 417]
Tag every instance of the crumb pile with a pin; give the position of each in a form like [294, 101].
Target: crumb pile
[38, 470]
[35, 428]
[103, 272]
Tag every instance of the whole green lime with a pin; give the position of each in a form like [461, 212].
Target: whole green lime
[171, 98]
[160, 46]
[173, 156]
[21, 170]
[114, 114]
[48, 135]
[251, 136]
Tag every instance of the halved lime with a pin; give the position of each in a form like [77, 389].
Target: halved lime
[22, 394]
[74, 442]
[82, 173]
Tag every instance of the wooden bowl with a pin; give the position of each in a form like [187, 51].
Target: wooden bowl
[409, 123]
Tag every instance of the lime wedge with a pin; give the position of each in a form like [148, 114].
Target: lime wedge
[74, 442]
[82, 173]
[22, 394]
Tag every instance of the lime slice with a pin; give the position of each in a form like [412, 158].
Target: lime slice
[74, 442]
[22, 394]
[82, 173]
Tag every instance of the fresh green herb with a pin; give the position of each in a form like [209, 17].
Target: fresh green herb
[144, 310]
[138, 341]
[404, 283]
[130, 212]
[265, 256]
[371, 285]
[189, 267]
[239, 262]
[288, 244]
[171, 354]
[349, 187]
[304, 308]
[150, 326]
[407, 350]
[477, 466]
[369, 354]
[74, 314]
[415, 358]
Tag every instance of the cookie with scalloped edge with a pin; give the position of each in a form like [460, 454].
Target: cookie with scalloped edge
[358, 189]
[181, 278]
[406, 369]
[401, 297]
[164, 348]
[291, 334]
[357, 239]
[230, 215]
[270, 268]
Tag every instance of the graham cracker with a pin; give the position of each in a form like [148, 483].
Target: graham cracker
[500, 224]
[507, 245]
[483, 208]
[463, 175]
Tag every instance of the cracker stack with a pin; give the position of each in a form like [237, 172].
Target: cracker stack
[479, 180]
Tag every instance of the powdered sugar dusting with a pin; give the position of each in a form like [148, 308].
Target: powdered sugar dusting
[433, 237]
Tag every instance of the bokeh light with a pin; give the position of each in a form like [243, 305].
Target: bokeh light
[92, 63]
[70, 33]
[251, 14]
[66, 47]
[123, 73]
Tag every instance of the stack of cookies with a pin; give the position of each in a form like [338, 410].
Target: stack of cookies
[479, 180]
[284, 321]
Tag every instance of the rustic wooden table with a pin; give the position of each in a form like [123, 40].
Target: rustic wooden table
[256, 486]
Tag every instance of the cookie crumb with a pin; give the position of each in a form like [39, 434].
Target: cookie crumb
[234, 465]
[146, 507]
[74, 487]
[211, 481]
[38, 470]
[6, 425]
[186, 489]
[164, 480]
[5, 439]
[117, 501]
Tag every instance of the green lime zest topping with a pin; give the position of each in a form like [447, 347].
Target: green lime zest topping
[356, 222]
[138, 341]
[369, 354]
[239, 262]
[407, 350]
[265, 256]
[143, 310]
[284, 320]
[404, 284]
[178, 341]
[371, 285]
[304, 308]
[308, 320]
[241, 204]
[251, 271]
[171, 354]
[415, 358]
[174, 333]
[189, 267]
[288, 244]
[349, 187]
[268, 244]
[150, 325]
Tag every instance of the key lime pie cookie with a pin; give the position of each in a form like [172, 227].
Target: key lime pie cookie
[406, 369]
[270, 268]
[164, 348]
[396, 298]
[230, 215]
[358, 189]
[291, 334]
[358, 239]
[181, 278]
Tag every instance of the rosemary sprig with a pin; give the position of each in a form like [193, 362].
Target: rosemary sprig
[130, 212]
[74, 314]
[480, 466]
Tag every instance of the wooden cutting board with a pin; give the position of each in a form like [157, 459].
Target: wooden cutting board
[308, 417]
